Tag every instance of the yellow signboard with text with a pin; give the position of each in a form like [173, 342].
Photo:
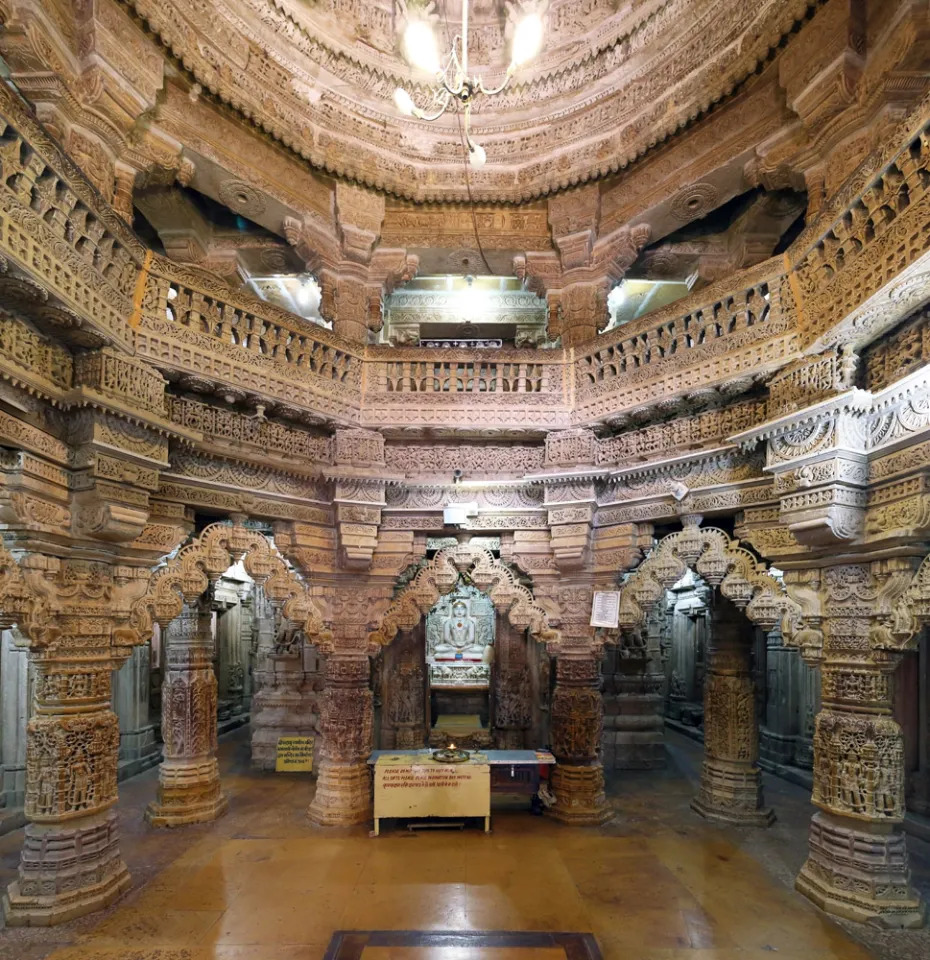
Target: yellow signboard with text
[294, 755]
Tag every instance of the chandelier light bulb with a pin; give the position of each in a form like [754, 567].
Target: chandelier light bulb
[527, 39]
[420, 46]
[476, 155]
[404, 102]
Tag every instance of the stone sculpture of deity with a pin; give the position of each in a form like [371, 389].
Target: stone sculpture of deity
[459, 636]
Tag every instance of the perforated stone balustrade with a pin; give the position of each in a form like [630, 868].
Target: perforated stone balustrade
[852, 273]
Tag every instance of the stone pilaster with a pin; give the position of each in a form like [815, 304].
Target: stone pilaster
[343, 789]
[281, 708]
[138, 750]
[857, 866]
[188, 778]
[577, 727]
[634, 729]
[14, 715]
[70, 863]
[731, 781]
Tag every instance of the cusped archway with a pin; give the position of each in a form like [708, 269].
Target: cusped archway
[439, 576]
[731, 783]
[190, 571]
[724, 564]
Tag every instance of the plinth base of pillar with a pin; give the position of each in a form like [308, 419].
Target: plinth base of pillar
[343, 795]
[66, 871]
[187, 793]
[579, 794]
[762, 817]
[859, 875]
[731, 792]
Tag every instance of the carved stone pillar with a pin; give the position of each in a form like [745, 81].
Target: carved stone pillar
[857, 866]
[188, 778]
[577, 728]
[582, 311]
[343, 789]
[511, 684]
[138, 749]
[71, 863]
[731, 781]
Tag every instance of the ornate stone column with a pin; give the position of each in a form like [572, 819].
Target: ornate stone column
[857, 866]
[71, 863]
[731, 781]
[577, 728]
[343, 789]
[188, 778]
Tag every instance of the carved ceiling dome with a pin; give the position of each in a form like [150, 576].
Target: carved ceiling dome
[615, 77]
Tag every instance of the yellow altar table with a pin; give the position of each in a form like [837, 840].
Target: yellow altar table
[413, 784]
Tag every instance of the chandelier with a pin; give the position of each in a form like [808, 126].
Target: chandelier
[454, 88]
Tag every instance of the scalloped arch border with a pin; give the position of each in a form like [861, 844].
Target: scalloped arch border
[205, 559]
[720, 560]
[439, 576]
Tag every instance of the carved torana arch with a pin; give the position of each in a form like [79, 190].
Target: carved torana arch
[439, 577]
[723, 563]
[205, 559]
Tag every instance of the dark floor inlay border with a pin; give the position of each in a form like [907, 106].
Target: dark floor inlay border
[349, 944]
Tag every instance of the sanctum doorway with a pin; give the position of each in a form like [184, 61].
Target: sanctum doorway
[465, 675]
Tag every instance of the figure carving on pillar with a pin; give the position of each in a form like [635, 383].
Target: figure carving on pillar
[188, 778]
[731, 780]
[343, 788]
[71, 863]
[577, 728]
[857, 866]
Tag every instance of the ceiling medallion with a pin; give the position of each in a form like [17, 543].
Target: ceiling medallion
[454, 87]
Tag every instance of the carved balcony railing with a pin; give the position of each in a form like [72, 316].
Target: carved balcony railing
[461, 376]
[56, 229]
[867, 241]
[199, 327]
[411, 385]
[736, 327]
[859, 268]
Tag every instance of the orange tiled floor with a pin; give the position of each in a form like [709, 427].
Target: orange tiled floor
[262, 884]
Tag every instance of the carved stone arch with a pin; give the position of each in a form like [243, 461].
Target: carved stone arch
[439, 576]
[205, 559]
[723, 563]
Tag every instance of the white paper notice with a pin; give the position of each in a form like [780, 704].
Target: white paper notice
[605, 610]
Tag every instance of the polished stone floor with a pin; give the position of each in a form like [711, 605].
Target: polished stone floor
[657, 883]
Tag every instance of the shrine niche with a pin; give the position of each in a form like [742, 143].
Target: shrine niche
[457, 654]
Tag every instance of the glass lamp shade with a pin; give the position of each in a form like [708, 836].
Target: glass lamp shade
[527, 39]
[403, 101]
[420, 46]
[476, 155]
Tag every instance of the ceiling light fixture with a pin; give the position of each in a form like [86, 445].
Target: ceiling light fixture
[454, 86]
